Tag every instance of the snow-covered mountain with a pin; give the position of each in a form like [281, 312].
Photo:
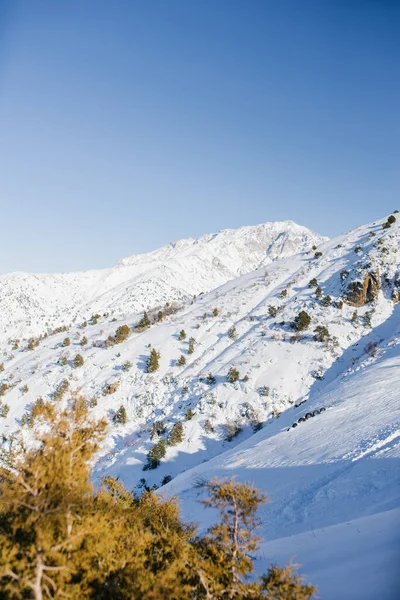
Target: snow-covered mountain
[31, 302]
[312, 415]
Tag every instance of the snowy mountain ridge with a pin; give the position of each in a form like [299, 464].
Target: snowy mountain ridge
[31, 302]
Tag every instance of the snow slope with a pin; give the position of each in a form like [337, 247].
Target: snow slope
[30, 302]
[333, 479]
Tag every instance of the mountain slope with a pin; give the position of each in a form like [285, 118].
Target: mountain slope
[333, 480]
[337, 466]
[29, 303]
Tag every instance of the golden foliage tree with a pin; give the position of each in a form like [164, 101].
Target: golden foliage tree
[60, 538]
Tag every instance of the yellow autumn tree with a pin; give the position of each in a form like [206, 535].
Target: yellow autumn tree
[61, 538]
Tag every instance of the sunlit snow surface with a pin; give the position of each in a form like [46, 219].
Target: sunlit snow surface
[333, 481]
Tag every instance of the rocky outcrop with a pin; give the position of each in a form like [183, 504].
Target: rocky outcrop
[396, 295]
[361, 292]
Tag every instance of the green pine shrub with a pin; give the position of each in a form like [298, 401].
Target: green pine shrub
[326, 301]
[233, 375]
[155, 455]
[4, 410]
[189, 414]
[120, 417]
[321, 333]
[272, 311]
[181, 362]
[301, 321]
[232, 333]
[176, 435]
[144, 323]
[153, 361]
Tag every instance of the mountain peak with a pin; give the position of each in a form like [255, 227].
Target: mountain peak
[177, 271]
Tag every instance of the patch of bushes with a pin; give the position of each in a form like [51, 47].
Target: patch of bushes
[62, 388]
[110, 341]
[122, 334]
[78, 361]
[208, 426]
[4, 410]
[232, 333]
[321, 333]
[182, 335]
[264, 391]
[158, 428]
[233, 375]
[210, 379]
[92, 402]
[36, 410]
[312, 283]
[66, 342]
[272, 311]
[120, 417]
[231, 430]
[189, 414]
[33, 343]
[326, 301]
[181, 362]
[110, 388]
[144, 323]
[63, 360]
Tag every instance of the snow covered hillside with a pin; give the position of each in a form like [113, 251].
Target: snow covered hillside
[31, 303]
[287, 376]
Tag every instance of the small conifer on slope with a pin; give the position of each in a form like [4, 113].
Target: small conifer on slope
[176, 435]
[153, 361]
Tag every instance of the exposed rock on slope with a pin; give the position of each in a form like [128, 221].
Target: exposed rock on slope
[361, 292]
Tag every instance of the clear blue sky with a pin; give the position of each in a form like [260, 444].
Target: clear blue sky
[125, 125]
